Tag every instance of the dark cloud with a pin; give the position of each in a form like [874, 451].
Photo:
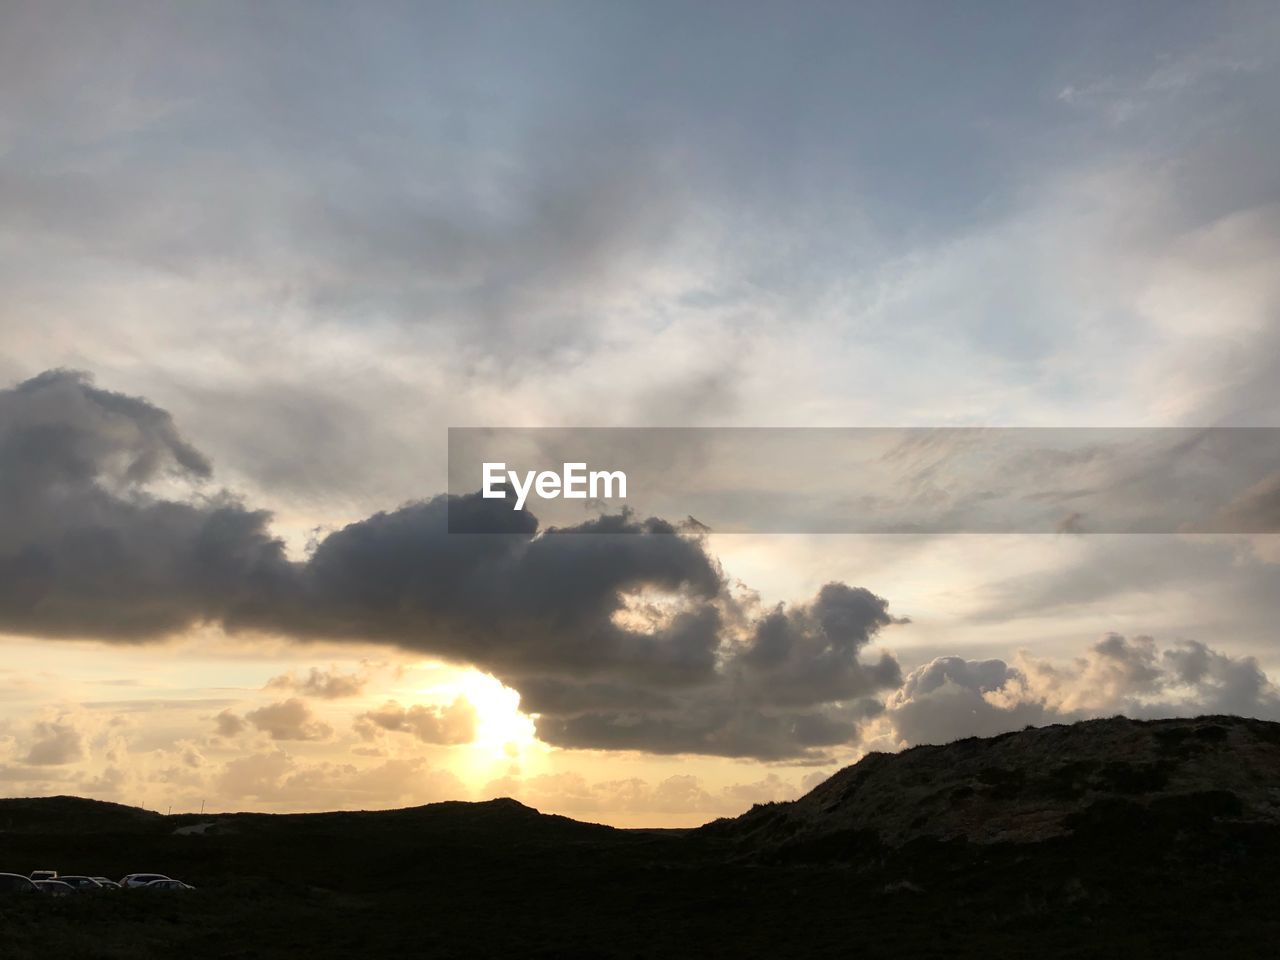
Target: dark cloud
[795, 685]
[712, 721]
[809, 653]
[85, 549]
[562, 617]
[1217, 683]
[625, 638]
[508, 599]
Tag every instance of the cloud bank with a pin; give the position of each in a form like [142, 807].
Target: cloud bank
[627, 639]
[951, 697]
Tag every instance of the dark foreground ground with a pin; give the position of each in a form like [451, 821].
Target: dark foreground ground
[1175, 879]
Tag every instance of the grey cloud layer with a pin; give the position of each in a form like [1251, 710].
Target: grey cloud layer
[612, 210]
[627, 638]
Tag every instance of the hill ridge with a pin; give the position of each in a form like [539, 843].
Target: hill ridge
[1029, 785]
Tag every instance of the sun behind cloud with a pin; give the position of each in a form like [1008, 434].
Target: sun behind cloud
[502, 731]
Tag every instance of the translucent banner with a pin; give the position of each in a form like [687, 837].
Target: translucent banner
[870, 480]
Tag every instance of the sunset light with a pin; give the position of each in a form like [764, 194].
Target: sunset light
[639, 479]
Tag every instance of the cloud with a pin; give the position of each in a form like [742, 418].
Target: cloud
[792, 685]
[289, 720]
[35, 779]
[951, 697]
[1191, 584]
[451, 724]
[574, 794]
[55, 743]
[636, 609]
[560, 260]
[629, 638]
[326, 684]
[255, 775]
[112, 781]
[228, 725]
[769, 789]
[1256, 509]
[85, 549]
[276, 777]
[809, 653]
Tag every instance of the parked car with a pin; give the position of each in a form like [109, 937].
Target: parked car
[81, 884]
[54, 888]
[106, 884]
[13, 883]
[43, 875]
[135, 880]
[169, 885]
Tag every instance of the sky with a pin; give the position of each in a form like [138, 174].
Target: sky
[256, 259]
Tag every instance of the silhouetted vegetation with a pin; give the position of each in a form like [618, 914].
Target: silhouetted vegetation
[1148, 861]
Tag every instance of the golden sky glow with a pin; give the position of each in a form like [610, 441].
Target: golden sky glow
[138, 733]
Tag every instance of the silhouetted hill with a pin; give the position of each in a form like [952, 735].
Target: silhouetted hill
[496, 820]
[1037, 784]
[74, 815]
[492, 821]
[1106, 838]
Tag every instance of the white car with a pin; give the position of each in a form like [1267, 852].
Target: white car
[135, 880]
